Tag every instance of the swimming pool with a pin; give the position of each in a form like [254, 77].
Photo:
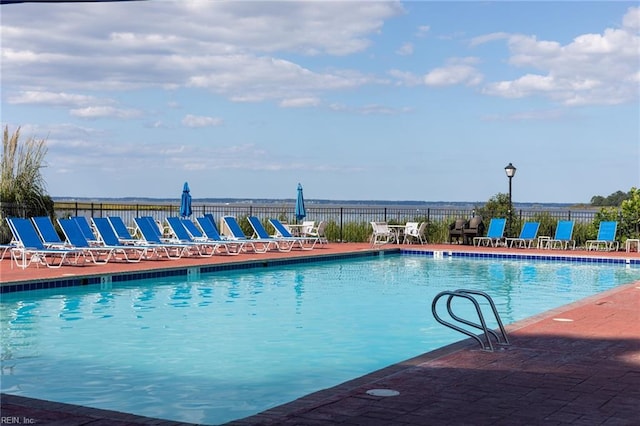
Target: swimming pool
[227, 345]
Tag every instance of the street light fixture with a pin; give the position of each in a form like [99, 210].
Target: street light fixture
[510, 170]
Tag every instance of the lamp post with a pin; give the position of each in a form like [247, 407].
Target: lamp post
[510, 170]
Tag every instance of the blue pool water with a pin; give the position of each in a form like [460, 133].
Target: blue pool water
[227, 345]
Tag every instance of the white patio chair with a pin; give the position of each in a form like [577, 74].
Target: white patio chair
[318, 232]
[381, 233]
[415, 231]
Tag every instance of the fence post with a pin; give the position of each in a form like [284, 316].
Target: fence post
[341, 217]
[385, 214]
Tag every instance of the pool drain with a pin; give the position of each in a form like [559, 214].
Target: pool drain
[383, 392]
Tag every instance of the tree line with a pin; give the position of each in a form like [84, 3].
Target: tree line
[613, 200]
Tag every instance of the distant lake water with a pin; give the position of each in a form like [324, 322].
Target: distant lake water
[340, 212]
[330, 203]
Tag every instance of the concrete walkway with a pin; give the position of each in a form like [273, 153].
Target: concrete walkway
[578, 365]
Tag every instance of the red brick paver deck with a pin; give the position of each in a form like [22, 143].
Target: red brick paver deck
[575, 365]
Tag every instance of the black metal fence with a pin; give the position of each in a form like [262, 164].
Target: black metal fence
[340, 216]
[334, 213]
[346, 222]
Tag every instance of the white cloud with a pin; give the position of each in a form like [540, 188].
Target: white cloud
[423, 30]
[381, 110]
[300, 102]
[547, 115]
[476, 41]
[406, 78]
[82, 106]
[405, 50]
[201, 121]
[253, 79]
[457, 71]
[50, 98]
[221, 46]
[371, 109]
[105, 112]
[631, 20]
[592, 69]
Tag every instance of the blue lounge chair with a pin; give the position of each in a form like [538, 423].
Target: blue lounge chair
[4, 248]
[201, 247]
[99, 255]
[257, 245]
[528, 235]
[230, 247]
[606, 239]
[131, 252]
[305, 243]
[194, 232]
[85, 227]
[213, 221]
[121, 230]
[31, 249]
[151, 234]
[208, 228]
[495, 234]
[47, 231]
[563, 237]
[260, 232]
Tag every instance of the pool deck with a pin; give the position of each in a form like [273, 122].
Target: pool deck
[575, 365]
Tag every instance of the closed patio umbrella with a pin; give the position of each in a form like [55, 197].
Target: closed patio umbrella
[185, 203]
[300, 211]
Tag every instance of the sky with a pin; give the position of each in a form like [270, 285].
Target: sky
[355, 100]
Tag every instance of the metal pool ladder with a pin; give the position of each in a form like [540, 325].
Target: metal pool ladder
[471, 296]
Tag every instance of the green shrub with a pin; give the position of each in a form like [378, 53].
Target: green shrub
[22, 187]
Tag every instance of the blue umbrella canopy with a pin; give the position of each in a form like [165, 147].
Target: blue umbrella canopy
[185, 203]
[300, 211]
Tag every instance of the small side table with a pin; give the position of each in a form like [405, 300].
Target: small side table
[629, 244]
[542, 241]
